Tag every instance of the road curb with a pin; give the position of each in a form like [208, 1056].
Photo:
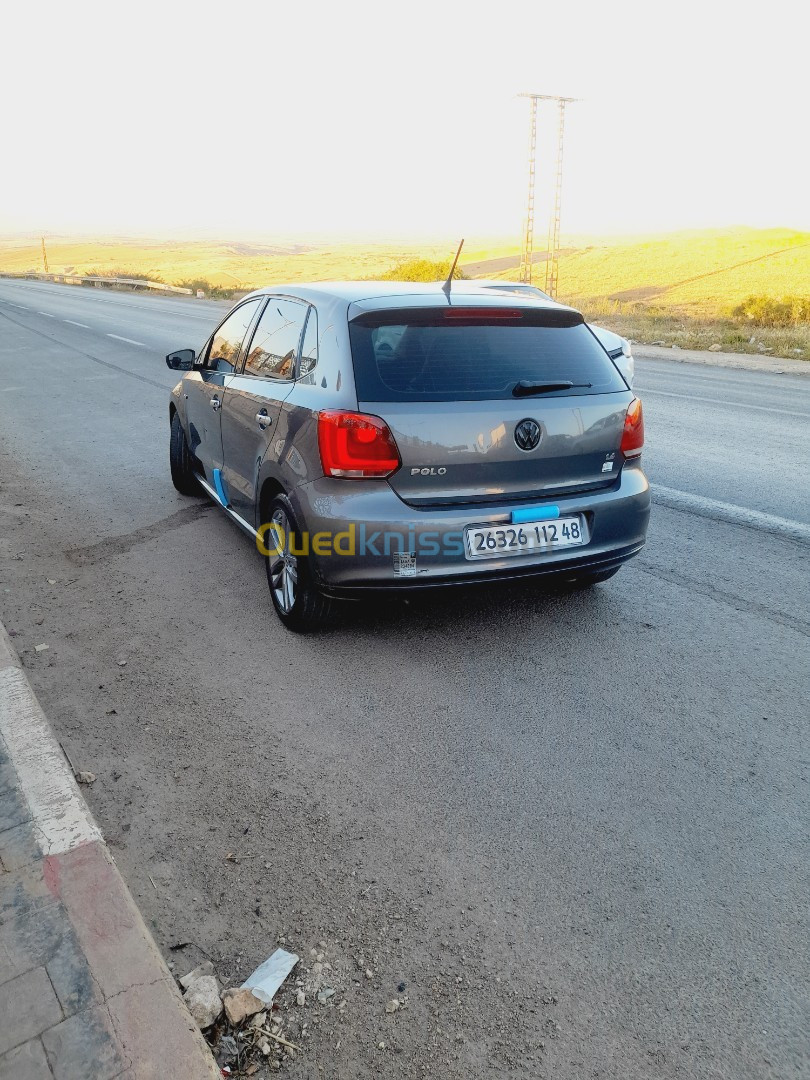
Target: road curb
[120, 995]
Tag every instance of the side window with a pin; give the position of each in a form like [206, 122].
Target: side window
[274, 349]
[309, 349]
[223, 355]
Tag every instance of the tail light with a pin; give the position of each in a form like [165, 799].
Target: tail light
[633, 434]
[355, 446]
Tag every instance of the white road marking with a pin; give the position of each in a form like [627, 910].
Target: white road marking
[142, 307]
[129, 340]
[697, 399]
[730, 512]
[61, 820]
[47, 314]
[73, 323]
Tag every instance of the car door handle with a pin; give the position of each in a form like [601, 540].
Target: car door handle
[216, 403]
[263, 420]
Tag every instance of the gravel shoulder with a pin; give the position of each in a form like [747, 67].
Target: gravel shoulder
[741, 361]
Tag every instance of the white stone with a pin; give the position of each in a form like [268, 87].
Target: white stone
[205, 968]
[202, 999]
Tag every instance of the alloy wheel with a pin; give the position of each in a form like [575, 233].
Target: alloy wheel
[283, 564]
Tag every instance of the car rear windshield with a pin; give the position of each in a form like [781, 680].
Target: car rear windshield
[451, 354]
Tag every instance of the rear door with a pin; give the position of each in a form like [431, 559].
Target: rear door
[254, 397]
[204, 387]
[469, 395]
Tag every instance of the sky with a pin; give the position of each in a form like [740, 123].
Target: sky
[397, 120]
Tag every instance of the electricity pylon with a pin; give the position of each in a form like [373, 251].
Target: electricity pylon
[552, 252]
[528, 231]
[44, 255]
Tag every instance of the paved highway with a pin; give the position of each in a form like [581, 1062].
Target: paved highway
[574, 827]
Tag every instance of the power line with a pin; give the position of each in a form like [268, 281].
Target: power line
[552, 252]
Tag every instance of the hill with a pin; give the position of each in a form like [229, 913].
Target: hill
[680, 288]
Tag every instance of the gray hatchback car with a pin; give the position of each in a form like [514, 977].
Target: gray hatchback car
[378, 437]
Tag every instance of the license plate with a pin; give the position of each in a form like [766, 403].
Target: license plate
[529, 538]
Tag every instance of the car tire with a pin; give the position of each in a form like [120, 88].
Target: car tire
[586, 580]
[299, 603]
[182, 463]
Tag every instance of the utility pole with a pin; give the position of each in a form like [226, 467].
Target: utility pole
[552, 253]
[44, 255]
[528, 231]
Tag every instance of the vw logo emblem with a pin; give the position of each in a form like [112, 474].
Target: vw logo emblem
[527, 434]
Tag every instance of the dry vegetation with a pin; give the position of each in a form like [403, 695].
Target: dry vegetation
[747, 290]
[744, 289]
[230, 266]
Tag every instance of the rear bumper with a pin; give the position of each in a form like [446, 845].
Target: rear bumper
[365, 527]
[557, 573]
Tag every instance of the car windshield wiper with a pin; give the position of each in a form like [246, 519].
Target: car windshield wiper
[526, 389]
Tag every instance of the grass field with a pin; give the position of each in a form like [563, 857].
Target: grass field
[682, 289]
[233, 266]
[679, 288]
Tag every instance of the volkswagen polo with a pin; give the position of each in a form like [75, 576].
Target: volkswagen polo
[381, 437]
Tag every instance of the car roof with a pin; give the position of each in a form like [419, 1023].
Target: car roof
[371, 295]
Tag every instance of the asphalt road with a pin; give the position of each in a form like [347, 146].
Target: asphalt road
[575, 827]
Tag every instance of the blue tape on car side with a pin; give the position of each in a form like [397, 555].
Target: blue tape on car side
[535, 513]
[220, 487]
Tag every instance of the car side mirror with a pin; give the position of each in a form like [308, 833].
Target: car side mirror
[182, 360]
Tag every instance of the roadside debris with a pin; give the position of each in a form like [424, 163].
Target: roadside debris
[205, 968]
[85, 778]
[41, 648]
[228, 1050]
[278, 1039]
[269, 976]
[203, 1001]
[259, 1027]
[240, 1003]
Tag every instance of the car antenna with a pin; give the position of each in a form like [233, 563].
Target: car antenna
[447, 284]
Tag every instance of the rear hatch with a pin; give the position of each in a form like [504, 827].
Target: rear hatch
[456, 383]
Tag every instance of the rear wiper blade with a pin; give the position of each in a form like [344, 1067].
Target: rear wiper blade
[526, 389]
